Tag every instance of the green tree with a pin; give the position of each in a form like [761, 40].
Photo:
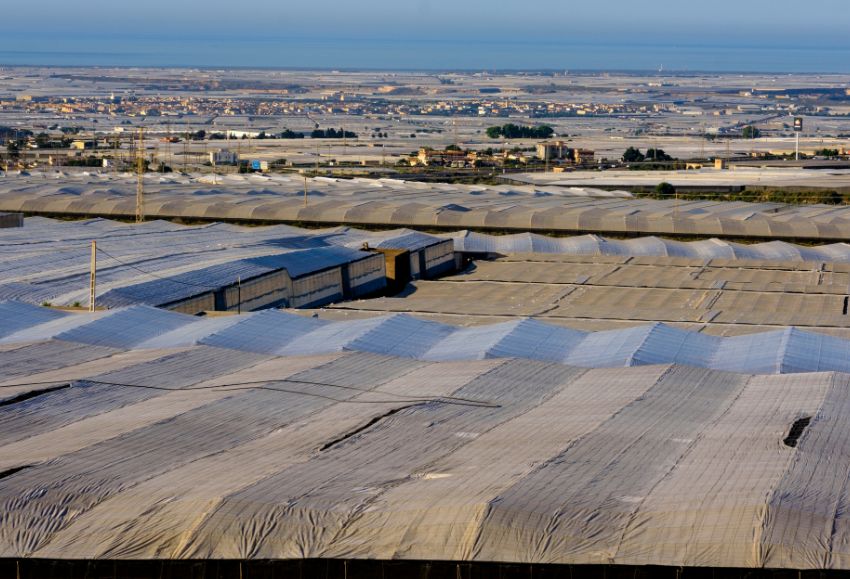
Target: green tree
[633, 155]
[494, 132]
[657, 155]
[13, 149]
[665, 189]
[833, 198]
[826, 153]
[512, 131]
[751, 132]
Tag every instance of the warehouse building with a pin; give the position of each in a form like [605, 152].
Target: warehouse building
[410, 255]
[211, 267]
[305, 278]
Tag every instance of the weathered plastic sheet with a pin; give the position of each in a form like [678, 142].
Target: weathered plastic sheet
[476, 242]
[16, 316]
[784, 351]
[358, 455]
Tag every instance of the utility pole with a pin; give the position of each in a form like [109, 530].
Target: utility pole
[92, 275]
[168, 159]
[140, 177]
[239, 294]
[305, 190]
[185, 151]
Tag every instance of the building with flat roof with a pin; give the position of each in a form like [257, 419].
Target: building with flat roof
[559, 151]
[223, 157]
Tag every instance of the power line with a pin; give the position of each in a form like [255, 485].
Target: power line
[171, 279]
[258, 385]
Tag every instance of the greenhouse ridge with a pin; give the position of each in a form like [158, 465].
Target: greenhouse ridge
[285, 334]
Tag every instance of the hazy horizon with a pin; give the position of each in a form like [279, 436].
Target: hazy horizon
[756, 36]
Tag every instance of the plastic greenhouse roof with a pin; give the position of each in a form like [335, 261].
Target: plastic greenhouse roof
[273, 332]
[174, 288]
[405, 204]
[202, 453]
[49, 260]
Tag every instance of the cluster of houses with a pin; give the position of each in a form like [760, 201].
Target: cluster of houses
[556, 153]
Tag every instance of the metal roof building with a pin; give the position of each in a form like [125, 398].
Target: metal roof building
[206, 267]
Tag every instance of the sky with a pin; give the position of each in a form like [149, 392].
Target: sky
[435, 34]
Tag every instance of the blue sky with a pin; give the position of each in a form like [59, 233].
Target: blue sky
[378, 33]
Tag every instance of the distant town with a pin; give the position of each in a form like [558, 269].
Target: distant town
[447, 126]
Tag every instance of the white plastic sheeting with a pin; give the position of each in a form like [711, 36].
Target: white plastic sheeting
[297, 263]
[395, 335]
[157, 262]
[126, 328]
[279, 333]
[517, 339]
[265, 332]
[473, 242]
[15, 316]
[390, 203]
[206, 454]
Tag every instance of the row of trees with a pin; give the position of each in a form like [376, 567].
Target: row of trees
[829, 153]
[634, 155]
[512, 131]
[9, 133]
[43, 141]
[332, 134]
[286, 134]
[790, 196]
[201, 134]
[289, 134]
